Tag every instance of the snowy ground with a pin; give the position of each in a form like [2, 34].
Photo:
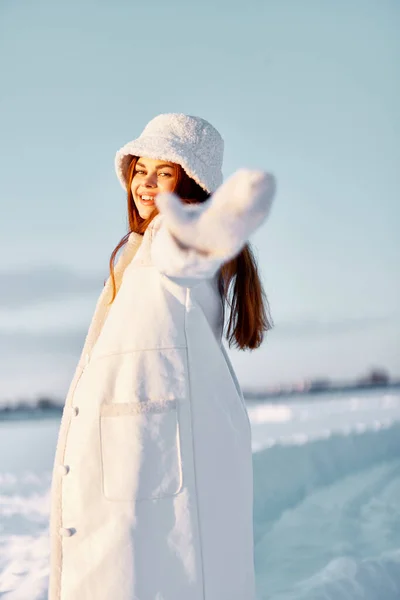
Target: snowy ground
[327, 500]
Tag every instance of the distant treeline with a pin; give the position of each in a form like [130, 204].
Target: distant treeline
[377, 379]
[251, 394]
[41, 406]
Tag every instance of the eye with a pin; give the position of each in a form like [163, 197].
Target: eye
[165, 174]
[139, 172]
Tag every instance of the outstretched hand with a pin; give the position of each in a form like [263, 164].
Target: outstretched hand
[223, 223]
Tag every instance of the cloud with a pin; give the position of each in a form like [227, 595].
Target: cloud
[15, 343]
[315, 326]
[25, 287]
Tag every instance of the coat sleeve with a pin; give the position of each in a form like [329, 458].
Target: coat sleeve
[191, 242]
[183, 265]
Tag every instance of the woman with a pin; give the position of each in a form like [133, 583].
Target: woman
[152, 486]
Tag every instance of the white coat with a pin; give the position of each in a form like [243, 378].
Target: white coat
[152, 491]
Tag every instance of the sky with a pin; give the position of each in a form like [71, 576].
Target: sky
[305, 90]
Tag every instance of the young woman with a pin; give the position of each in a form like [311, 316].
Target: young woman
[152, 488]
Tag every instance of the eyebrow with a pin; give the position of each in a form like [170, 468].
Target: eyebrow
[158, 166]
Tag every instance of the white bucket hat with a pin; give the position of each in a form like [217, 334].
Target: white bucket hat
[189, 141]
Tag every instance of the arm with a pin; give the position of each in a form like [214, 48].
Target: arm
[191, 241]
[185, 265]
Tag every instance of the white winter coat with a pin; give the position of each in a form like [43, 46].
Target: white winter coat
[152, 488]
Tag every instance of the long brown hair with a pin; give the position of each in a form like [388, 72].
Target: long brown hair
[239, 281]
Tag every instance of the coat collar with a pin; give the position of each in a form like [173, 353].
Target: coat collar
[102, 307]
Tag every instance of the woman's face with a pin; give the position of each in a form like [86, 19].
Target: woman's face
[151, 177]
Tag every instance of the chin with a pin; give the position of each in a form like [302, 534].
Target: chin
[145, 214]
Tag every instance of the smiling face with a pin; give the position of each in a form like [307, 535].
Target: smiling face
[150, 178]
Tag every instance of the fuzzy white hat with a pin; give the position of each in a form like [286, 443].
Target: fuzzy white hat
[189, 141]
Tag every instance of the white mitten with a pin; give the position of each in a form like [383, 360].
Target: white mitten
[222, 224]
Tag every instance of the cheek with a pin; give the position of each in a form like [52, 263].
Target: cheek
[169, 185]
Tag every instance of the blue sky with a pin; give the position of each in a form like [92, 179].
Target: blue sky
[307, 90]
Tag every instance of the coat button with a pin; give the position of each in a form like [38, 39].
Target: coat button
[63, 469]
[65, 532]
[74, 411]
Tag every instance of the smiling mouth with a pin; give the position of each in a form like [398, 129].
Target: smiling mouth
[147, 200]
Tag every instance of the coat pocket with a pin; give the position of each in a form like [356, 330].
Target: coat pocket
[140, 450]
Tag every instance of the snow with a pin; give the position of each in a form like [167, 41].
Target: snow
[326, 508]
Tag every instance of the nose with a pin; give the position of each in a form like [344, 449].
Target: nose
[151, 180]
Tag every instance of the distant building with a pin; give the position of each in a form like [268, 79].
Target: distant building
[375, 377]
[317, 385]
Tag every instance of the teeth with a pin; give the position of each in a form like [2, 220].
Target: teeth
[147, 198]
